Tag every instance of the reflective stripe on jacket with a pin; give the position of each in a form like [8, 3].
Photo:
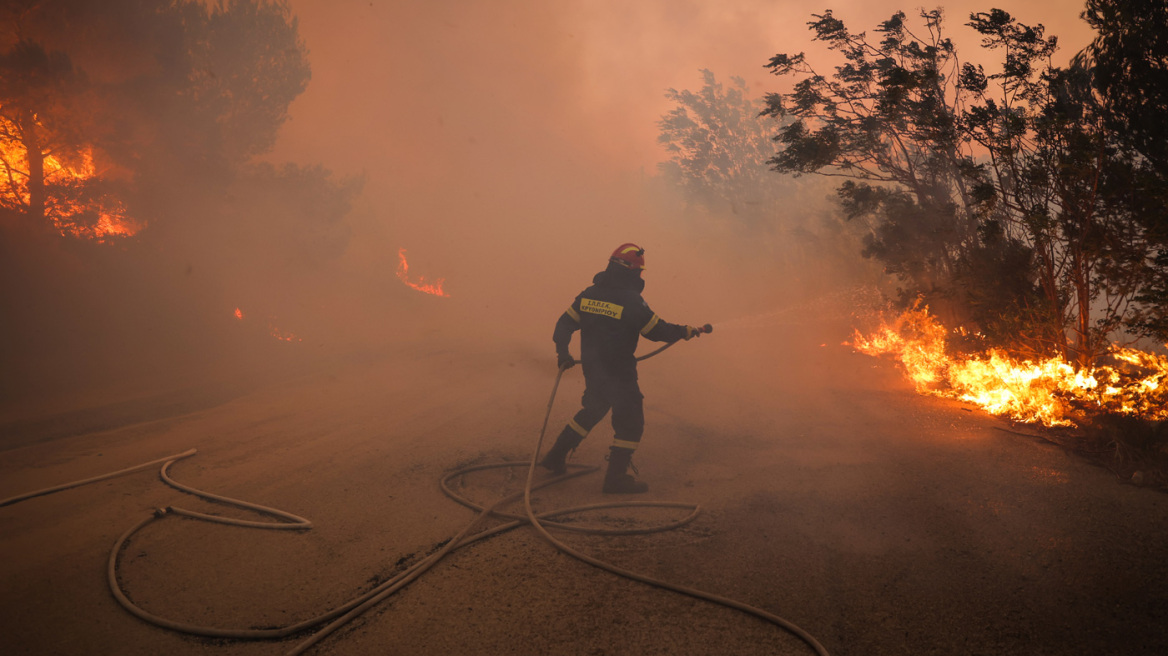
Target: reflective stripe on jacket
[611, 317]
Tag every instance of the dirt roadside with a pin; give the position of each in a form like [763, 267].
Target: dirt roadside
[879, 521]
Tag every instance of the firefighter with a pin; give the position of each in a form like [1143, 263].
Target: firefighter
[611, 317]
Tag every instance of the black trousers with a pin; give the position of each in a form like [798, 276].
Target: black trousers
[603, 392]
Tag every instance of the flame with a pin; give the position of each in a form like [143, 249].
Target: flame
[63, 212]
[403, 269]
[1047, 391]
[238, 314]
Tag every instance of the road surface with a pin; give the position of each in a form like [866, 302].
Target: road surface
[879, 521]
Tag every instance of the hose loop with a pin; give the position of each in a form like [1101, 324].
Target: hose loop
[540, 521]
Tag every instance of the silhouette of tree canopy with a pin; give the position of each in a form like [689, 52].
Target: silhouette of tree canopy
[1129, 56]
[1004, 193]
[718, 144]
[1129, 62]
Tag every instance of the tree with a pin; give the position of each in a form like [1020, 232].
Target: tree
[889, 119]
[1129, 57]
[157, 109]
[1057, 179]
[719, 144]
[1128, 60]
[246, 65]
[191, 93]
[38, 122]
[1000, 192]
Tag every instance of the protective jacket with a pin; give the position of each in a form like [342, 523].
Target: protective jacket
[611, 317]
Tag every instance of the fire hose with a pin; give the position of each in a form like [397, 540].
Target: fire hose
[341, 615]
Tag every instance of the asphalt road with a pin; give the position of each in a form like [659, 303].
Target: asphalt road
[879, 521]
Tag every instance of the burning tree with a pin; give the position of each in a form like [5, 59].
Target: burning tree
[146, 117]
[1003, 194]
[32, 86]
[1056, 179]
[48, 171]
[191, 90]
[1048, 391]
[887, 118]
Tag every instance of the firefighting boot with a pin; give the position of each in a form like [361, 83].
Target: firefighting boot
[557, 457]
[617, 480]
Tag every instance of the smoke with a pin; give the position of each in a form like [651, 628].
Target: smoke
[508, 146]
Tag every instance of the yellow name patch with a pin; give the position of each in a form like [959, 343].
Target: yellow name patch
[600, 307]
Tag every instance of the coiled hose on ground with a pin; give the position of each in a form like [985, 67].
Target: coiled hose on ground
[338, 617]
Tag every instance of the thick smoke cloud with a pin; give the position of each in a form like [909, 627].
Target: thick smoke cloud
[508, 146]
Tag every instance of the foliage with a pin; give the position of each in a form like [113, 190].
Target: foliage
[1059, 181]
[1129, 62]
[39, 93]
[169, 92]
[245, 63]
[887, 119]
[718, 145]
[1129, 57]
[157, 110]
[1001, 192]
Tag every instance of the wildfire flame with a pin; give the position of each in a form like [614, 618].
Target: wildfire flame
[63, 212]
[1050, 391]
[403, 270]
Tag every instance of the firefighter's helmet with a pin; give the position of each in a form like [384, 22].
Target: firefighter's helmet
[630, 256]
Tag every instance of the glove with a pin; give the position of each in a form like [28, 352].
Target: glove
[691, 332]
[565, 361]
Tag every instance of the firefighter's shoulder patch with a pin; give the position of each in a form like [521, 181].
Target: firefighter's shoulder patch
[603, 308]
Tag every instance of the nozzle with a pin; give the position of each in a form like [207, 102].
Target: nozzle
[707, 328]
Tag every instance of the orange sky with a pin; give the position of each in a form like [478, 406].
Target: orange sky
[433, 89]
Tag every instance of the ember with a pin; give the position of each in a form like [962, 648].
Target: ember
[1050, 391]
[403, 269]
[281, 335]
